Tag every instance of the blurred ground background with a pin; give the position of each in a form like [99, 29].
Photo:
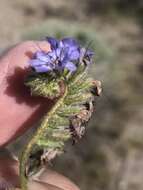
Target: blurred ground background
[110, 157]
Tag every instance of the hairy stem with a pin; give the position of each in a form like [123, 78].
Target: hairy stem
[28, 149]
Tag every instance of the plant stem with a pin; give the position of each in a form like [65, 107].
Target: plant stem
[41, 130]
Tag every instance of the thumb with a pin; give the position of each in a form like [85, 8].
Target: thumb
[18, 109]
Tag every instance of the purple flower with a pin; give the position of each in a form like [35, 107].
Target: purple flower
[71, 47]
[41, 62]
[64, 54]
[53, 42]
[86, 54]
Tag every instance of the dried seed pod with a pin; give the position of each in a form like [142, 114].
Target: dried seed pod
[96, 89]
[48, 155]
[77, 128]
[90, 106]
[84, 115]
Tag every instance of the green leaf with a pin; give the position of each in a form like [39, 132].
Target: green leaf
[43, 86]
[66, 111]
[50, 143]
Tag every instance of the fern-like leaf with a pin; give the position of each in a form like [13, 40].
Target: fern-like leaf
[67, 119]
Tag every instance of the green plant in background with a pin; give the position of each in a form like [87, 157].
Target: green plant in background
[60, 74]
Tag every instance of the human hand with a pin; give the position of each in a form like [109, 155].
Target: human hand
[19, 111]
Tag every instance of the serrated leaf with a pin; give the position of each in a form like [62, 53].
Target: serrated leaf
[80, 87]
[57, 121]
[76, 78]
[78, 99]
[66, 111]
[50, 143]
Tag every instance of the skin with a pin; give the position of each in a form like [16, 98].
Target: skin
[19, 111]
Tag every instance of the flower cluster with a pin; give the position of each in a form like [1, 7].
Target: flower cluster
[64, 54]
